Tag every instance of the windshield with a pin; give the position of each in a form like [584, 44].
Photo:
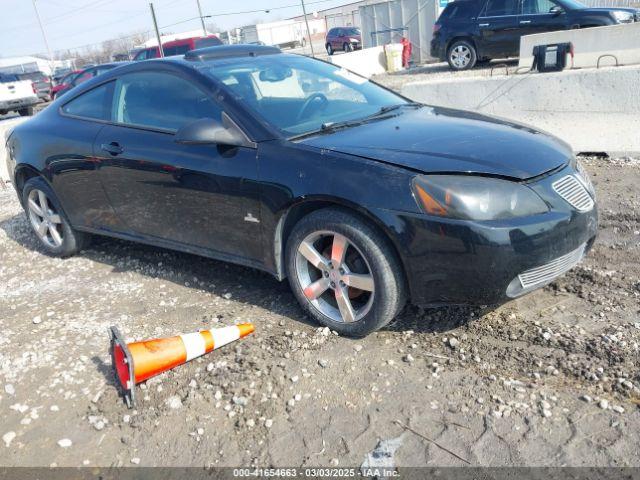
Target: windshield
[6, 78]
[351, 31]
[299, 95]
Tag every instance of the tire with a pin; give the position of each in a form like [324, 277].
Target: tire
[368, 255]
[68, 241]
[462, 55]
[26, 112]
[329, 49]
[347, 47]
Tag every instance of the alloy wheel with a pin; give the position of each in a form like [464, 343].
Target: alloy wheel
[46, 222]
[335, 276]
[461, 56]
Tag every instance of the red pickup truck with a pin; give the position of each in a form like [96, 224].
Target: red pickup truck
[178, 47]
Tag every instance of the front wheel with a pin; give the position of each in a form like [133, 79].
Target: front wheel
[49, 221]
[462, 55]
[347, 47]
[344, 272]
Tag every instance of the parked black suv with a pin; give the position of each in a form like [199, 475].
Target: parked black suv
[475, 30]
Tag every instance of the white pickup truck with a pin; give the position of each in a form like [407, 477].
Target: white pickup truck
[17, 95]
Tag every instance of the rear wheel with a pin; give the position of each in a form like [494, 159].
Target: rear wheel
[344, 273]
[48, 220]
[462, 55]
[329, 49]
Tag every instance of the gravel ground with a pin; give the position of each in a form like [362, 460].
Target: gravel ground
[550, 379]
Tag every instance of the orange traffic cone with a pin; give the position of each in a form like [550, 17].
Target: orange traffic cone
[135, 362]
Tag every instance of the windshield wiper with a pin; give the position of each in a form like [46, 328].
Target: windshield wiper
[391, 108]
[331, 126]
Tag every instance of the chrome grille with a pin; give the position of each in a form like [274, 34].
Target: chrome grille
[547, 272]
[574, 192]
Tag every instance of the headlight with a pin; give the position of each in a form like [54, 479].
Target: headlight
[475, 198]
[621, 16]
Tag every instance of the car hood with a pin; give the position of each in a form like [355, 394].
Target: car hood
[439, 140]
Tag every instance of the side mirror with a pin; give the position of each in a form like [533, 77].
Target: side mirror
[556, 10]
[209, 131]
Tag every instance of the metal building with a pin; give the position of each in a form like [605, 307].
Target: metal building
[343, 16]
[388, 22]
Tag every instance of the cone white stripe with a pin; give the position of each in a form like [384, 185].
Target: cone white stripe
[222, 336]
[194, 344]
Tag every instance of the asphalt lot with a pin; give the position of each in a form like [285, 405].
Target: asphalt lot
[550, 379]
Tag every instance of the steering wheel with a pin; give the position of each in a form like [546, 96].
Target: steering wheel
[321, 100]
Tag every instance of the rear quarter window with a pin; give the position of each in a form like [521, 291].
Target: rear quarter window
[460, 10]
[94, 104]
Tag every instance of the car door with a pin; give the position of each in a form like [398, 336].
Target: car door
[499, 26]
[539, 16]
[72, 165]
[202, 196]
[336, 40]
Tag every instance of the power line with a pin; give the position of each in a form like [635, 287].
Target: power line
[54, 19]
[266, 9]
[180, 22]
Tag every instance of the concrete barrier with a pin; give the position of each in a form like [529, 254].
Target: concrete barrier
[590, 44]
[365, 62]
[594, 110]
[5, 128]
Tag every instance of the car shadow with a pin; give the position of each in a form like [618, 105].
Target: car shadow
[246, 285]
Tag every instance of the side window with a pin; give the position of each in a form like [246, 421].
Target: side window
[94, 104]
[169, 51]
[136, 101]
[533, 7]
[207, 42]
[500, 8]
[176, 50]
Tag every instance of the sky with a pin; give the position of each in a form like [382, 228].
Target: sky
[76, 23]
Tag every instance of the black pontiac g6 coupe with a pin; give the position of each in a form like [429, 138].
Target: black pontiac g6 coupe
[361, 198]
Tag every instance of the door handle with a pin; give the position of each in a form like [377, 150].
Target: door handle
[525, 22]
[112, 148]
[483, 24]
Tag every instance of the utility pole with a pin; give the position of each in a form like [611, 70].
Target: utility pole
[306, 20]
[204, 29]
[155, 26]
[44, 35]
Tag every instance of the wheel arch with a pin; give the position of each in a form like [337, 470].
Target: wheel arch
[298, 210]
[23, 173]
